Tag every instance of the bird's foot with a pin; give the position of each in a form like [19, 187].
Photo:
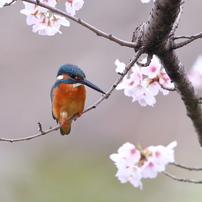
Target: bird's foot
[79, 114]
[64, 124]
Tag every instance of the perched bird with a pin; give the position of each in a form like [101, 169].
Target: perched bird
[68, 95]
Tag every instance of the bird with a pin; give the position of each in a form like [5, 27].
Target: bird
[68, 95]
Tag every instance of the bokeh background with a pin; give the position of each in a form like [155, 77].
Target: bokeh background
[77, 167]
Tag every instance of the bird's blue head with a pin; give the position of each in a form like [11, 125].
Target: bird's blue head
[76, 76]
[72, 70]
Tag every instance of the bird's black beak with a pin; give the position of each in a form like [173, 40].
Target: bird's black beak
[91, 85]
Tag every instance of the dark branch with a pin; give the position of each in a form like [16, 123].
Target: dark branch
[8, 4]
[40, 127]
[155, 37]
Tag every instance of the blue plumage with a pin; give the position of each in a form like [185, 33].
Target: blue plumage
[71, 69]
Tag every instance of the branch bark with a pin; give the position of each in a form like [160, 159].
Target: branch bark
[155, 36]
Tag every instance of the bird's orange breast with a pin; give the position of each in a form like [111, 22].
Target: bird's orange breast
[67, 100]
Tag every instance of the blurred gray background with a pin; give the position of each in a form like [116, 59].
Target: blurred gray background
[77, 167]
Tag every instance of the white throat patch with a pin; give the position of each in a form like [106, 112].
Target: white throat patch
[77, 84]
[59, 77]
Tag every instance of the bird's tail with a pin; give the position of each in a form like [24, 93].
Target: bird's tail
[65, 129]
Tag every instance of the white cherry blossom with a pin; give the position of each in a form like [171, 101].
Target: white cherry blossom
[144, 83]
[73, 5]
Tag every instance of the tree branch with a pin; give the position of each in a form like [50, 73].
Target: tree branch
[154, 36]
[111, 89]
[189, 40]
[8, 4]
[182, 179]
[186, 167]
[83, 23]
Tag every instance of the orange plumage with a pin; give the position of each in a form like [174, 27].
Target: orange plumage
[67, 101]
[68, 95]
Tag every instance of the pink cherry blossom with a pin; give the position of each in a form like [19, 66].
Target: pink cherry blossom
[153, 86]
[126, 161]
[136, 76]
[134, 164]
[150, 170]
[144, 83]
[161, 154]
[157, 158]
[127, 156]
[153, 69]
[165, 81]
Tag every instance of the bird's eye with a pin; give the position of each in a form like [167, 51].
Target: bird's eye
[75, 77]
[72, 76]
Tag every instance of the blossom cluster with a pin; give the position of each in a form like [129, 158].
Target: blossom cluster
[144, 83]
[134, 164]
[44, 21]
[195, 73]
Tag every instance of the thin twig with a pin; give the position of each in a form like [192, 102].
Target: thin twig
[111, 89]
[182, 179]
[8, 4]
[83, 23]
[189, 40]
[40, 127]
[186, 167]
[37, 135]
[196, 36]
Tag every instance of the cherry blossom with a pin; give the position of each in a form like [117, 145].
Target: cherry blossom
[126, 161]
[134, 164]
[157, 157]
[144, 83]
[136, 76]
[43, 21]
[120, 66]
[73, 5]
[145, 97]
[153, 69]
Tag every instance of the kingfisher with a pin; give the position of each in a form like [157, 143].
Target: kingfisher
[68, 95]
